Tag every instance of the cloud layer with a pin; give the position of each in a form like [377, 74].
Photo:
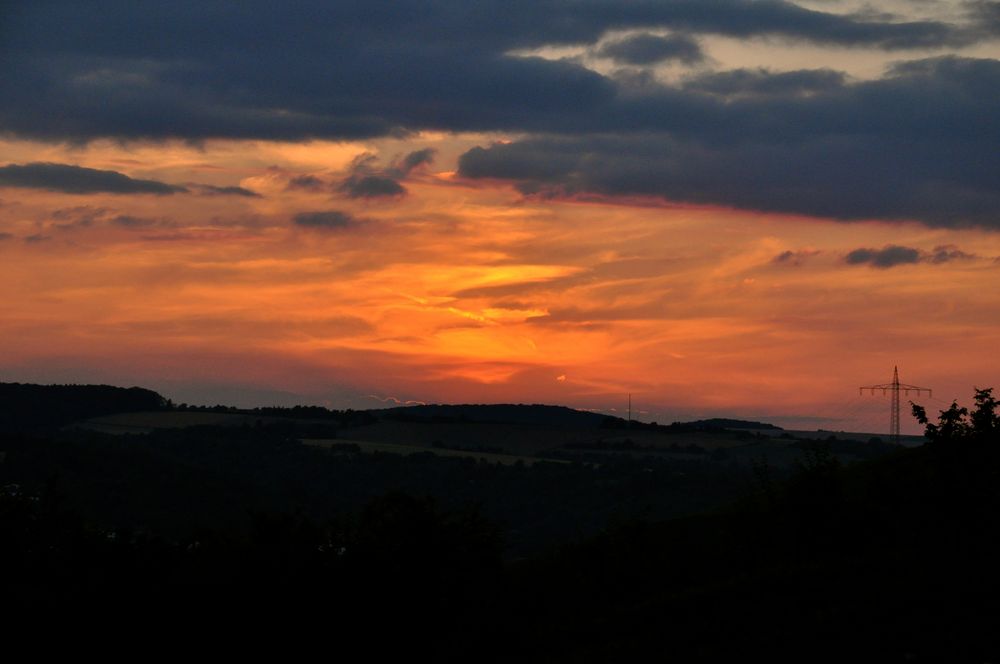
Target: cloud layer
[893, 255]
[645, 49]
[886, 257]
[78, 180]
[326, 220]
[915, 143]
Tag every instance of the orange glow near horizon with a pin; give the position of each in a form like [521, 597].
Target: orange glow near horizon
[467, 292]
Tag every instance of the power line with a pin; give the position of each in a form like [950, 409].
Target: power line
[893, 390]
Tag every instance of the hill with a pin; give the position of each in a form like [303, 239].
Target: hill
[641, 555]
[536, 414]
[727, 423]
[27, 406]
[543, 415]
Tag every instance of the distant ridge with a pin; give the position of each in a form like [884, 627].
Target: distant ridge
[540, 414]
[536, 414]
[24, 405]
[727, 423]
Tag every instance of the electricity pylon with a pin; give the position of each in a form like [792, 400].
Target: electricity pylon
[894, 388]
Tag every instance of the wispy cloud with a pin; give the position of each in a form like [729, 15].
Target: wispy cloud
[894, 255]
[71, 179]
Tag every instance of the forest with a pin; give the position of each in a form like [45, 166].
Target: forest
[222, 528]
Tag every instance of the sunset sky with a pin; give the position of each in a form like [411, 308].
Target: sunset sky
[722, 207]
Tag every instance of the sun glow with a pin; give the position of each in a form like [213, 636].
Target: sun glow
[460, 293]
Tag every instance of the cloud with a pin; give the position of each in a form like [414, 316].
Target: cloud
[947, 253]
[88, 216]
[794, 258]
[892, 255]
[211, 190]
[647, 49]
[6, 236]
[371, 186]
[913, 144]
[917, 144]
[80, 216]
[414, 160]
[986, 14]
[368, 181]
[764, 82]
[130, 221]
[306, 183]
[71, 179]
[78, 73]
[888, 256]
[325, 220]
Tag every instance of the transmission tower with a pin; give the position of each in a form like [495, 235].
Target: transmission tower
[894, 389]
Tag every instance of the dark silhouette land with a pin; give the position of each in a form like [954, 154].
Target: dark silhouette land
[614, 542]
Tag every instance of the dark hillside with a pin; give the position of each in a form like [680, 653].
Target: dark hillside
[892, 559]
[887, 560]
[728, 423]
[26, 406]
[556, 416]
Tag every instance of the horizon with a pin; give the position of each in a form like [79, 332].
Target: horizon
[746, 212]
[642, 417]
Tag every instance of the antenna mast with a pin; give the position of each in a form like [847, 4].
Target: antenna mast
[894, 388]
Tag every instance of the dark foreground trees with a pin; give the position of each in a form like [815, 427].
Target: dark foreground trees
[957, 425]
[887, 560]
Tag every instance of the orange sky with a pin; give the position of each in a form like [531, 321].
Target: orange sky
[470, 292]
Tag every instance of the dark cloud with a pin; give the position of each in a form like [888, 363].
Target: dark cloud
[915, 144]
[986, 14]
[6, 236]
[143, 69]
[647, 49]
[947, 253]
[211, 190]
[918, 144]
[86, 216]
[764, 82]
[79, 216]
[415, 159]
[130, 221]
[371, 186]
[794, 258]
[367, 180]
[78, 180]
[784, 257]
[327, 220]
[886, 257]
[306, 183]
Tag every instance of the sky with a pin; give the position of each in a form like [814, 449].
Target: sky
[723, 208]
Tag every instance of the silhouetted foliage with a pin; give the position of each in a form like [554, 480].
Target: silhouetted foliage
[890, 559]
[957, 426]
[25, 406]
[713, 424]
[346, 418]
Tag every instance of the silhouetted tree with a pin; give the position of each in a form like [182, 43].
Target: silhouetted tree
[957, 425]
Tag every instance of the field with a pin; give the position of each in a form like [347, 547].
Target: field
[145, 422]
[508, 443]
[368, 447]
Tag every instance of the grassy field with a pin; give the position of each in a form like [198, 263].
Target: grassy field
[144, 422]
[508, 443]
[526, 439]
[368, 447]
